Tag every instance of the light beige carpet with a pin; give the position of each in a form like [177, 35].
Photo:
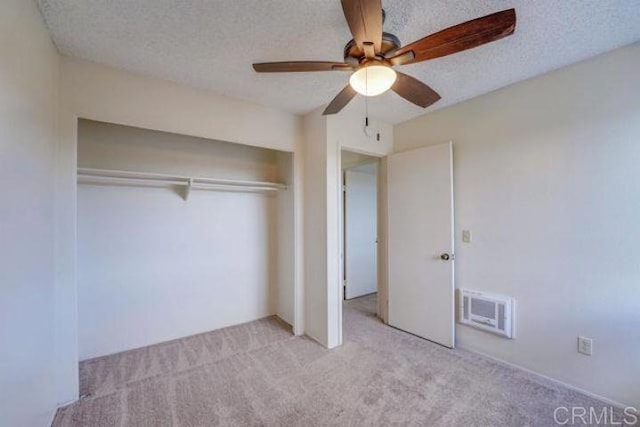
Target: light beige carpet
[259, 374]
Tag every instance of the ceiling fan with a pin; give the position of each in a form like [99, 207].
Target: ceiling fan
[372, 53]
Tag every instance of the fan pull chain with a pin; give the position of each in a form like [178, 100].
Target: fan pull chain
[366, 98]
[366, 109]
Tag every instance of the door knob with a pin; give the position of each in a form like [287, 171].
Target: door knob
[446, 257]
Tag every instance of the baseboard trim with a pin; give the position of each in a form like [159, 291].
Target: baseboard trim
[52, 417]
[603, 399]
[67, 403]
[60, 406]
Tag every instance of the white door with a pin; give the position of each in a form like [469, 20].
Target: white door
[361, 229]
[420, 227]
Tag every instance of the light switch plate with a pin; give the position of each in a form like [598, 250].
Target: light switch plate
[466, 236]
[585, 346]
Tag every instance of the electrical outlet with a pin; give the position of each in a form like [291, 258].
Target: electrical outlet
[466, 236]
[585, 346]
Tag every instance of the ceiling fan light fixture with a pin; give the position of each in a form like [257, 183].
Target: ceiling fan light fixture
[372, 53]
[373, 80]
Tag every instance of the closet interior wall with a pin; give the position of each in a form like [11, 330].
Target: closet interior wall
[155, 265]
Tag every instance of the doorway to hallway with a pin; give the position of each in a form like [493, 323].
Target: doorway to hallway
[360, 225]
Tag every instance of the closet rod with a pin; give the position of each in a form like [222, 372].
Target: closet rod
[86, 175]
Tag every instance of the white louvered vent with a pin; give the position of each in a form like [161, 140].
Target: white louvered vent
[489, 312]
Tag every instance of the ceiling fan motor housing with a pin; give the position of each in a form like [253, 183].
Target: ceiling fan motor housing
[354, 55]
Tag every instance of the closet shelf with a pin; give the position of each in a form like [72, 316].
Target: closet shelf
[120, 177]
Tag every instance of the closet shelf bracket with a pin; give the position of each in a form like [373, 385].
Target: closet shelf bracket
[187, 189]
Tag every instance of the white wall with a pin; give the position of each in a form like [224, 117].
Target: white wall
[286, 221]
[66, 292]
[101, 93]
[154, 267]
[347, 130]
[324, 137]
[28, 101]
[315, 226]
[383, 238]
[546, 177]
[110, 146]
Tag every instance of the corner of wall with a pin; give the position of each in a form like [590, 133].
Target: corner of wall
[66, 313]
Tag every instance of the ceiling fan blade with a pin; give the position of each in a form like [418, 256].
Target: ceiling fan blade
[364, 18]
[340, 101]
[414, 91]
[301, 66]
[458, 38]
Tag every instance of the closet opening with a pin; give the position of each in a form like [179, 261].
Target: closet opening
[177, 236]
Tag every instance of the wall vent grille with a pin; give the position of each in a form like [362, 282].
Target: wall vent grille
[488, 312]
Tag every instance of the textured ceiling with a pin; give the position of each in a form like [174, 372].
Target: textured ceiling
[211, 44]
